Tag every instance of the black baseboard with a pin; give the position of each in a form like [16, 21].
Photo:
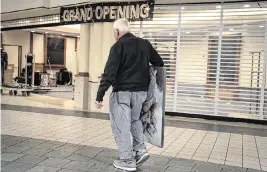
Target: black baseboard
[218, 118]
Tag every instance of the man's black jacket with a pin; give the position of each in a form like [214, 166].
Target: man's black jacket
[127, 68]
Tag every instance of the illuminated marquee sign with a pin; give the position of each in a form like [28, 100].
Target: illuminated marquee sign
[107, 12]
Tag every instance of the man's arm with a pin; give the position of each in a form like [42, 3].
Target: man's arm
[155, 58]
[110, 73]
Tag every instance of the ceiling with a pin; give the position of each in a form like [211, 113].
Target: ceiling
[11, 10]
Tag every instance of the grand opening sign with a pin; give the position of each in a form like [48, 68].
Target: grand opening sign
[107, 12]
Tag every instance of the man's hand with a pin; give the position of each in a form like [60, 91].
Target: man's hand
[98, 105]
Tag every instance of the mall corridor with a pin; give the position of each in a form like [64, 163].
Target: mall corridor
[206, 90]
[41, 137]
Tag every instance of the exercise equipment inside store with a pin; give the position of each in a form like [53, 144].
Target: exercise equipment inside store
[24, 83]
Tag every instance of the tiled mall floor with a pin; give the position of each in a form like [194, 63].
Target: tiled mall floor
[67, 143]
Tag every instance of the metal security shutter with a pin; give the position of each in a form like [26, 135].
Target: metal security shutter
[162, 33]
[199, 36]
[241, 80]
[214, 57]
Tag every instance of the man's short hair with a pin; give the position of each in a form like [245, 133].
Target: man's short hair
[122, 25]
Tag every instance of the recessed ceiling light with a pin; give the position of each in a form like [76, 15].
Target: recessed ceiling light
[32, 31]
[231, 29]
[261, 26]
[182, 8]
[218, 7]
[246, 6]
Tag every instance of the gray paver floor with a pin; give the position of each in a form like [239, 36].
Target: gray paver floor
[82, 158]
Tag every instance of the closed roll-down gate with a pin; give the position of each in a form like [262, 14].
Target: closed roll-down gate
[214, 55]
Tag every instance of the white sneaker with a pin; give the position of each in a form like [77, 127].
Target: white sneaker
[140, 159]
[123, 165]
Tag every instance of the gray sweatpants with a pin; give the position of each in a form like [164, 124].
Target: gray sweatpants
[125, 108]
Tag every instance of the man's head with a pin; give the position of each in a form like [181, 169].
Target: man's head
[120, 28]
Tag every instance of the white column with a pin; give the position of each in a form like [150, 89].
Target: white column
[102, 39]
[218, 73]
[108, 41]
[96, 52]
[82, 79]
[264, 74]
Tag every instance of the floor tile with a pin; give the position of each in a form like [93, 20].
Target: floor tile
[181, 164]
[204, 167]
[264, 168]
[217, 161]
[48, 146]
[79, 166]
[199, 158]
[78, 157]
[66, 170]
[227, 168]
[109, 153]
[10, 156]
[67, 148]
[90, 151]
[159, 160]
[254, 170]
[58, 154]
[53, 162]
[43, 169]
[15, 149]
[151, 167]
[4, 163]
[237, 164]
[37, 151]
[253, 166]
[17, 167]
[30, 159]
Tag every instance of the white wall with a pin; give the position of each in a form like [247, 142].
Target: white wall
[71, 57]
[21, 38]
[14, 5]
[38, 48]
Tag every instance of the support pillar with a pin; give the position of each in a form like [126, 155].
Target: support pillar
[96, 51]
[102, 39]
[82, 79]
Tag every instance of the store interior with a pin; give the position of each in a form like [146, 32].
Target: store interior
[55, 51]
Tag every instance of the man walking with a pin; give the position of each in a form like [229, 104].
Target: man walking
[127, 70]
